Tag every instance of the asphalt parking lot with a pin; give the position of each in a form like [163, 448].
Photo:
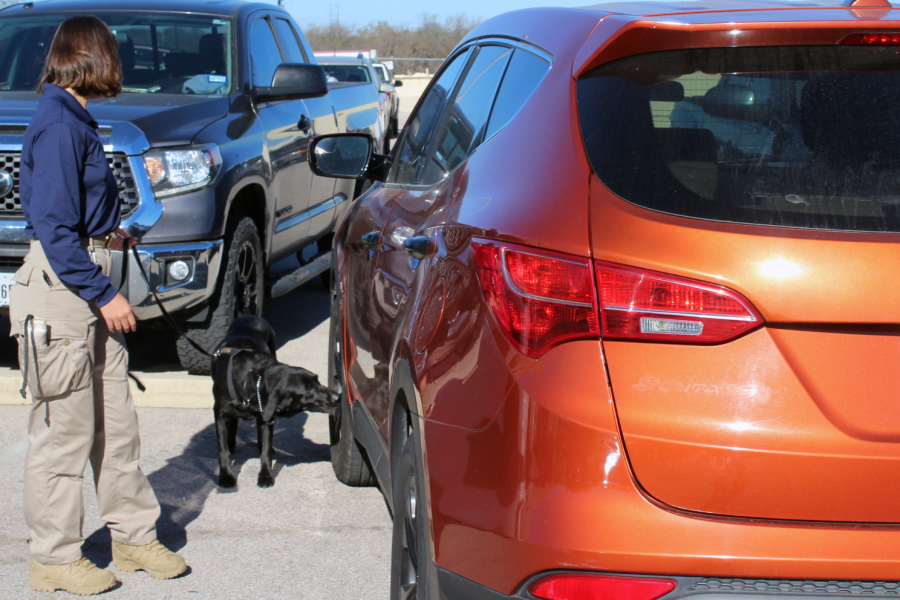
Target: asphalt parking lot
[308, 537]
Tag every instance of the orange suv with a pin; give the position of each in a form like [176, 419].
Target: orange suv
[620, 316]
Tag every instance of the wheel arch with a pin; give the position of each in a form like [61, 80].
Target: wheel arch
[250, 200]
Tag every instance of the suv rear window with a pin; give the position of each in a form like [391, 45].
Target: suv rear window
[797, 136]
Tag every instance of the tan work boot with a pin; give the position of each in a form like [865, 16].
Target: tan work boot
[81, 577]
[154, 558]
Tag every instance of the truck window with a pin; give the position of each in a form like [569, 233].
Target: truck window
[422, 124]
[293, 53]
[265, 55]
[464, 123]
[348, 73]
[160, 53]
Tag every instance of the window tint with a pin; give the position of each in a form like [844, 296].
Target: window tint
[418, 132]
[292, 51]
[522, 77]
[771, 136]
[463, 127]
[264, 53]
[348, 73]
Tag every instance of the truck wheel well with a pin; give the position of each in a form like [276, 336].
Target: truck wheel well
[249, 202]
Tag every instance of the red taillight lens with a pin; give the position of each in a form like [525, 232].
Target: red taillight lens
[540, 299]
[636, 304]
[583, 586]
[871, 39]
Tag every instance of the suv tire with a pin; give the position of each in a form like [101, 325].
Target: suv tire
[348, 458]
[241, 293]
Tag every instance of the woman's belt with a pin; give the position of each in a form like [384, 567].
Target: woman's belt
[97, 240]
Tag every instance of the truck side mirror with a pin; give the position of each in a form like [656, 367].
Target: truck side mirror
[295, 82]
[347, 156]
[398, 83]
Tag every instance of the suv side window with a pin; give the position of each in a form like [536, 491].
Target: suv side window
[264, 52]
[463, 126]
[413, 147]
[293, 53]
[524, 73]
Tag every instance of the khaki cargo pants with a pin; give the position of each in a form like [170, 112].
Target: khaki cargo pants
[82, 411]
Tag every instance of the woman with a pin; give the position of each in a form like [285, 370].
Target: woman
[70, 324]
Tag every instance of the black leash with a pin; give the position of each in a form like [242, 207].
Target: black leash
[172, 322]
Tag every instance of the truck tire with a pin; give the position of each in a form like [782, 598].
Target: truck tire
[240, 293]
[348, 458]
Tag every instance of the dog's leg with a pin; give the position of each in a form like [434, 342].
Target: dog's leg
[267, 453]
[226, 475]
[259, 435]
[232, 425]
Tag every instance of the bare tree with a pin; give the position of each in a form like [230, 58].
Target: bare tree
[432, 38]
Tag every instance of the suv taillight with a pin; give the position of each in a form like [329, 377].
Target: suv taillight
[541, 299]
[636, 304]
[587, 586]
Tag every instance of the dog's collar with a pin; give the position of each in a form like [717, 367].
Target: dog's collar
[240, 401]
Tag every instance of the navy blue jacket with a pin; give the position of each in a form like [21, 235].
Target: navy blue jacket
[68, 191]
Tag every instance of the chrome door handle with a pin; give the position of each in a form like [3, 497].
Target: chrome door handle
[372, 240]
[417, 246]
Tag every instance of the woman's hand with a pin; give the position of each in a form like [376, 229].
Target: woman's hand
[118, 315]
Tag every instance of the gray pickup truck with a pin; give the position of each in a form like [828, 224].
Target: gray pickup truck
[209, 143]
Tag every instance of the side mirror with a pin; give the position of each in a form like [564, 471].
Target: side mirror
[398, 83]
[385, 87]
[295, 82]
[347, 156]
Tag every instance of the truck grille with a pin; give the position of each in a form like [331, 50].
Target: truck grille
[11, 206]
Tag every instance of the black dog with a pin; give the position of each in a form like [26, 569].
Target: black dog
[248, 383]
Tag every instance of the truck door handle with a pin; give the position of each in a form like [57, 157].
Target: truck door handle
[417, 246]
[304, 123]
[372, 239]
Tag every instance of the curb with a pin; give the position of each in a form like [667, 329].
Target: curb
[174, 389]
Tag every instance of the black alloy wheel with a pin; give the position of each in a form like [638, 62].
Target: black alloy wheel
[246, 281]
[239, 293]
[409, 548]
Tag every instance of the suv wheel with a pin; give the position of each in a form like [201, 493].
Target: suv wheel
[409, 546]
[348, 458]
[241, 293]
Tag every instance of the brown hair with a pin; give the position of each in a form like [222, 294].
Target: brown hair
[84, 56]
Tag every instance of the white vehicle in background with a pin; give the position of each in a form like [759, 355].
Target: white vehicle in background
[388, 82]
[359, 69]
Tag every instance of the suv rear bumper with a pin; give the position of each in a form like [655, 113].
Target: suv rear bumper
[204, 259]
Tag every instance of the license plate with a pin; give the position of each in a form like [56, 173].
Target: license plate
[6, 282]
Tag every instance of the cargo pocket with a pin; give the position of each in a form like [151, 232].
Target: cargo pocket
[61, 362]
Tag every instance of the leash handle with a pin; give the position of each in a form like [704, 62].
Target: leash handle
[172, 323]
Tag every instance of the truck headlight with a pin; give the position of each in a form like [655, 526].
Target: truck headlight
[179, 170]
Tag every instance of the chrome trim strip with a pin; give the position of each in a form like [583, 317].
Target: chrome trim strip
[518, 291]
[680, 314]
[309, 214]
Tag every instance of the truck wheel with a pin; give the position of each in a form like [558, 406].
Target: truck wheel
[241, 293]
[348, 459]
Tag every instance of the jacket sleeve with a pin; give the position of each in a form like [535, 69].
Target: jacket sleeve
[56, 211]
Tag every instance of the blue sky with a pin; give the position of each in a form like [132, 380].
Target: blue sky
[406, 12]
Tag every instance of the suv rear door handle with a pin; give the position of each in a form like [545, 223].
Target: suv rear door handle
[417, 246]
[372, 239]
[304, 123]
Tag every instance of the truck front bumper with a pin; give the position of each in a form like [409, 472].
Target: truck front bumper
[203, 259]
